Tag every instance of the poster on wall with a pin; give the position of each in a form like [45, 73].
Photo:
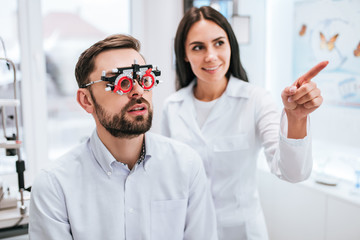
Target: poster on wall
[330, 30]
[225, 7]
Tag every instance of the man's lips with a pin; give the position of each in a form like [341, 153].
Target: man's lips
[138, 109]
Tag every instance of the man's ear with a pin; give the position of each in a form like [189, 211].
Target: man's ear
[83, 97]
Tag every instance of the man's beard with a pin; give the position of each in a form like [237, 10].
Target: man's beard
[118, 126]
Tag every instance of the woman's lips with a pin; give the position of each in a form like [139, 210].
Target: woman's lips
[211, 69]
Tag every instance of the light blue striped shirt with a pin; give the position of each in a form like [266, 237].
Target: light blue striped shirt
[88, 195]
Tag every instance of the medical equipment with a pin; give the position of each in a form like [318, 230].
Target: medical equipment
[123, 79]
[7, 198]
[12, 143]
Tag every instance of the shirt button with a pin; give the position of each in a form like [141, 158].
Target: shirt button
[131, 210]
[108, 173]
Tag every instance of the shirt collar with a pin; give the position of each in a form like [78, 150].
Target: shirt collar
[148, 149]
[105, 158]
[101, 153]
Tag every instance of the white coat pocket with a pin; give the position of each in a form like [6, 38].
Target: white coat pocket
[168, 219]
[230, 143]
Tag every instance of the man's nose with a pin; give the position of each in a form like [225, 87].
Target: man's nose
[137, 90]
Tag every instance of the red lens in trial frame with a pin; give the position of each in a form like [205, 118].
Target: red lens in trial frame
[125, 83]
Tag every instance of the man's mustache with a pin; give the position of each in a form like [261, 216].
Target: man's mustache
[136, 101]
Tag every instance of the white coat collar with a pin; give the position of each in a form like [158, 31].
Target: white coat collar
[238, 88]
[235, 88]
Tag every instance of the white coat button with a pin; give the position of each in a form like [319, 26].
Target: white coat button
[108, 173]
[131, 210]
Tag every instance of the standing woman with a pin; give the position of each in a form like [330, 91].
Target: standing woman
[227, 120]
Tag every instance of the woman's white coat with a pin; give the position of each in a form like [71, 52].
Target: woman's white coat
[243, 121]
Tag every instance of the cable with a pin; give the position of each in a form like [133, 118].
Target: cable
[18, 222]
[3, 46]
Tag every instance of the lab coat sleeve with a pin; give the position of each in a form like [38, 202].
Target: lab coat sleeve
[289, 159]
[48, 214]
[201, 217]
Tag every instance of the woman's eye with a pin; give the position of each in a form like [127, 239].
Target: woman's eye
[219, 43]
[197, 48]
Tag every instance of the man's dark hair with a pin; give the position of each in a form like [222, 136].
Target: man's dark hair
[86, 62]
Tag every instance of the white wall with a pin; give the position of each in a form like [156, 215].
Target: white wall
[253, 55]
[279, 15]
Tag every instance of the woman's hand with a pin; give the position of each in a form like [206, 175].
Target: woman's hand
[300, 99]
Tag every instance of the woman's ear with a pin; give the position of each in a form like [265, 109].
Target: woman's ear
[83, 97]
[186, 59]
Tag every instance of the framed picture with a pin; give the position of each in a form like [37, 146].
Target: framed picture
[241, 27]
[223, 6]
[330, 32]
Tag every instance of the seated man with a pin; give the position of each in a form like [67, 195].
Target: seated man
[124, 182]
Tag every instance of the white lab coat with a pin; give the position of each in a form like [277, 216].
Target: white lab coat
[243, 120]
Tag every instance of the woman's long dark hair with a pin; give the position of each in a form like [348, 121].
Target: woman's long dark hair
[184, 72]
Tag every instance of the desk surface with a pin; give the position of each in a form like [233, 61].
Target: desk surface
[15, 233]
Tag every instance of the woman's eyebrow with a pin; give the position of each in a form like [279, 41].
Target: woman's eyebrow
[198, 42]
[195, 43]
[217, 39]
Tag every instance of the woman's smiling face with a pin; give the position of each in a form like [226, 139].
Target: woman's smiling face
[208, 51]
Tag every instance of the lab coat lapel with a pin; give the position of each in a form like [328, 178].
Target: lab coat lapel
[218, 110]
[187, 111]
[235, 89]
[188, 114]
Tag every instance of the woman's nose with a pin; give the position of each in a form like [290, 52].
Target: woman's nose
[211, 55]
